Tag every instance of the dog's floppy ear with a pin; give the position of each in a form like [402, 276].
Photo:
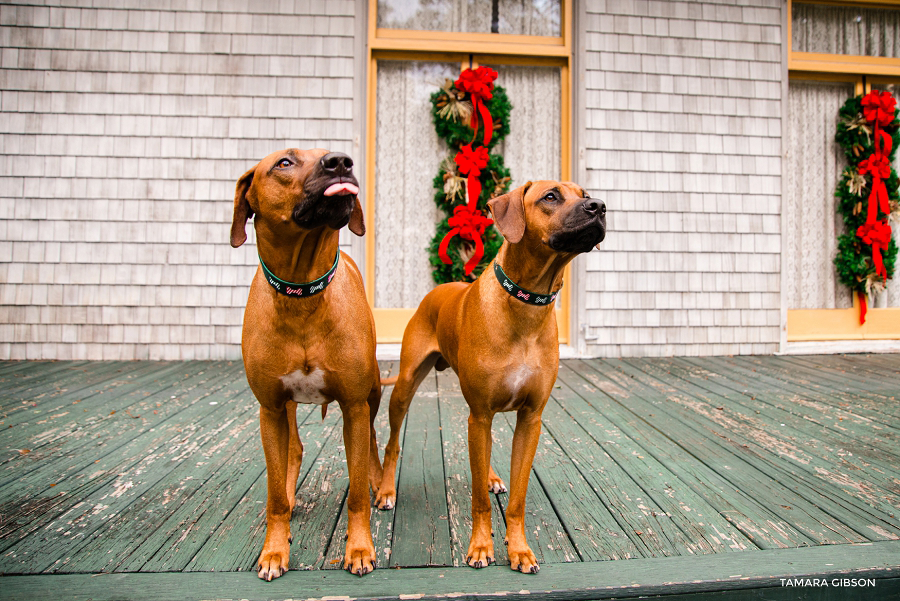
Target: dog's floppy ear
[508, 211]
[357, 221]
[242, 210]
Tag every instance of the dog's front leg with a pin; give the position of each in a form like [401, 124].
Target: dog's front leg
[481, 545]
[359, 555]
[273, 428]
[525, 441]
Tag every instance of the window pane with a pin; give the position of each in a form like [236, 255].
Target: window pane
[534, 93]
[814, 163]
[845, 30]
[408, 154]
[519, 17]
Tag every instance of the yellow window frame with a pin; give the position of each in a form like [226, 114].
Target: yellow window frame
[804, 325]
[469, 49]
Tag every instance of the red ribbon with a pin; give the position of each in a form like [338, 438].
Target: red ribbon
[470, 163]
[879, 107]
[863, 308]
[877, 234]
[467, 221]
[469, 224]
[479, 83]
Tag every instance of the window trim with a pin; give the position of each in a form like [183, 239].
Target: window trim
[397, 44]
[817, 325]
[839, 63]
[472, 43]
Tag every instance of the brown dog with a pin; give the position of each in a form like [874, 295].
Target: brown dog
[309, 335]
[508, 357]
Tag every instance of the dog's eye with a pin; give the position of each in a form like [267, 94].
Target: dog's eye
[284, 163]
[551, 197]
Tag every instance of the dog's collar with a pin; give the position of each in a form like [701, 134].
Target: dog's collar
[300, 290]
[515, 291]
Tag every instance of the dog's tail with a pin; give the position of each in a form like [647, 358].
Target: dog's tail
[388, 381]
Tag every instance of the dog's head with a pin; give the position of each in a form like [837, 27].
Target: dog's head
[559, 215]
[300, 190]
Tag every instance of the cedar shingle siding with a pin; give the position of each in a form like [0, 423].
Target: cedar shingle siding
[124, 128]
[683, 140]
[122, 134]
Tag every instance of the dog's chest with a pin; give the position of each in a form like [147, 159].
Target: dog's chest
[306, 387]
[517, 380]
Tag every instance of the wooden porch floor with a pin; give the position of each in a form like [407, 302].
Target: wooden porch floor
[688, 468]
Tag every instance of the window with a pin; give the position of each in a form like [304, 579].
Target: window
[836, 50]
[414, 45]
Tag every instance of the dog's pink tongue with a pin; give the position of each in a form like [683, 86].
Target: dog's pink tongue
[341, 189]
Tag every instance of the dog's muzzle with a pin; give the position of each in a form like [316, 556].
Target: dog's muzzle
[583, 229]
[329, 193]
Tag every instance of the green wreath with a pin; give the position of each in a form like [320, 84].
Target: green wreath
[854, 263]
[451, 113]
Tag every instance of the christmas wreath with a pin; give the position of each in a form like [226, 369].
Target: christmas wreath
[471, 115]
[867, 194]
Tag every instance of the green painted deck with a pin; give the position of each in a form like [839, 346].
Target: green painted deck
[653, 476]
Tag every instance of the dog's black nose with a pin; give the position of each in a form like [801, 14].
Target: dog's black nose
[337, 163]
[593, 206]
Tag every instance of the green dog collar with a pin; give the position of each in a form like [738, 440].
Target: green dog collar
[515, 291]
[299, 290]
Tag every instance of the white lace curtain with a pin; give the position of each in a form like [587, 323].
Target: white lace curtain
[845, 30]
[811, 223]
[408, 154]
[519, 17]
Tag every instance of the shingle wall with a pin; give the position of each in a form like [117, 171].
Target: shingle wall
[124, 127]
[683, 141]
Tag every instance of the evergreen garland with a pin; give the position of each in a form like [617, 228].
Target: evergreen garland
[854, 262]
[451, 113]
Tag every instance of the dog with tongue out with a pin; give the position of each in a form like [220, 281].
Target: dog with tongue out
[309, 335]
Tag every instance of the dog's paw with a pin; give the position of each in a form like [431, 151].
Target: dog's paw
[386, 500]
[523, 560]
[359, 561]
[496, 485]
[480, 555]
[272, 564]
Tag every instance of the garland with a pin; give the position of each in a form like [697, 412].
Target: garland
[867, 194]
[471, 115]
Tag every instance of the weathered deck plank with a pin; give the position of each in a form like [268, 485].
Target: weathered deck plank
[128, 467]
[816, 445]
[697, 526]
[688, 463]
[743, 461]
[421, 526]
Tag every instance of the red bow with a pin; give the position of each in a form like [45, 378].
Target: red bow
[878, 166]
[479, 83]
[877, 234]
[469, 224]
[470, 163]
[878, 107]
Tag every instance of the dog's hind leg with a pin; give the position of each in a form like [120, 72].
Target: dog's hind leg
[495, 483]
[295, 454]
[414, 366]
[375, 472]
